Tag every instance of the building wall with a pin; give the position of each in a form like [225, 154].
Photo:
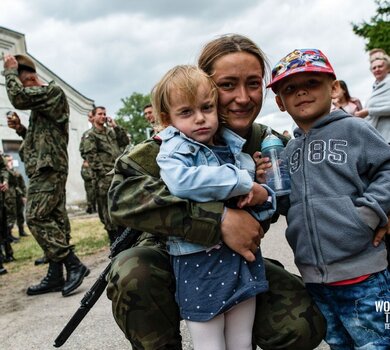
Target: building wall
[14, 43]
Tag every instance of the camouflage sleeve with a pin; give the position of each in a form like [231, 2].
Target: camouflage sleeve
[50, 99]
[121, 136]
[91, 154]
[139, 198]
[21, 185]
[4, 175]
[82, 147]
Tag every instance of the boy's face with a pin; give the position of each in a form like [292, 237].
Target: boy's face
[307, 97]
[198, 120]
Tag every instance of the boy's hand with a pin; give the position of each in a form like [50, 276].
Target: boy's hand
[262, 164]
[381, 232]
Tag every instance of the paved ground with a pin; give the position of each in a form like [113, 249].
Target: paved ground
[34, 322]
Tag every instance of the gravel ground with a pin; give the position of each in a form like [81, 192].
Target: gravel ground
[34, 322]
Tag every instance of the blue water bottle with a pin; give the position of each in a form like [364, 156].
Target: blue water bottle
[277, 177]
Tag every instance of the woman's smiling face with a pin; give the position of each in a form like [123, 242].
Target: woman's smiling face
[239, 78]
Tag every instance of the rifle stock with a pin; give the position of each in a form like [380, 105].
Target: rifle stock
[88, 301]
[124, 241]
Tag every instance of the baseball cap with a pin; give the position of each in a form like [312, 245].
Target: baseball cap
[25, 63]
[298, 61]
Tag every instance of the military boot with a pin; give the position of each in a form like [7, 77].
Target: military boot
[3, 271]
[41, 261]
[11, 237]
[52, 282]
[22, 233]
[75, 273]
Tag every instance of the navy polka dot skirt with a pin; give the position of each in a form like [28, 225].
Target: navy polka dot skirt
[211, 282]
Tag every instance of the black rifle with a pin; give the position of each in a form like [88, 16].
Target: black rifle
[124, 241]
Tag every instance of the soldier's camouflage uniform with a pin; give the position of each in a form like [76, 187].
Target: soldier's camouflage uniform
[88, 176]
[44, 153]
[89, 186]
[10, 198]
[141, 283]
[21, 193]
[4, 242]
[101, 148]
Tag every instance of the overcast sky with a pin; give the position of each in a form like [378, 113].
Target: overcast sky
[109, 49]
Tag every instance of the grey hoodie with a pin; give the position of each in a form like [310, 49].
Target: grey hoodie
[340, 192]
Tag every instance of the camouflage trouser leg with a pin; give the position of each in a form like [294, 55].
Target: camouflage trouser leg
[46, 214]
[90, 190]
[19, 211]
[141, 287]
[286, 317]
[103, 187]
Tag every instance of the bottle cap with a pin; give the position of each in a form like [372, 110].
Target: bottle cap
[271, 141]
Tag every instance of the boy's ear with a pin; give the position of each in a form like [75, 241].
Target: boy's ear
[280, 104]
[335, 88]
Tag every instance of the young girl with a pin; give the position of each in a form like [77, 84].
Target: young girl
[202, 161]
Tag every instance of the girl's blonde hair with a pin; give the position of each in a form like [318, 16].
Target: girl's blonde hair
[184, 79]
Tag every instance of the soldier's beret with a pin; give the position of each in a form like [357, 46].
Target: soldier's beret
[25, 63]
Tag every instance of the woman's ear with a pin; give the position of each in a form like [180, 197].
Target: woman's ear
[280, 104]
[336, 88]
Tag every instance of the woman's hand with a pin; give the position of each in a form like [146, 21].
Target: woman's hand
[242, 233]
[362, 113]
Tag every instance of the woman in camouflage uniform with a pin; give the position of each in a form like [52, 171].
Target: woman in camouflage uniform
[141, 283]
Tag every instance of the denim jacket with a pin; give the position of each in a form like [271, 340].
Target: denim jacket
[191, 170]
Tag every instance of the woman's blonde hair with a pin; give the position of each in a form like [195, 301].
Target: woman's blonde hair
[184, 79]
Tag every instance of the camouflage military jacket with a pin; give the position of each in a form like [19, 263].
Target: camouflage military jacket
[82, 143]
[12, 184]
[102, 147]
[46, 139]
[4, 174]
[21, 189]
[138, 198]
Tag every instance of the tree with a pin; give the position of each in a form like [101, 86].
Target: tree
[378, 31]
[131, 116]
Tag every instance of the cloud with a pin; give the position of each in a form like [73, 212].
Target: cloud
[109, 49]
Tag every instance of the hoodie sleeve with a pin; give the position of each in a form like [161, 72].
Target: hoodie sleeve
[375, 166]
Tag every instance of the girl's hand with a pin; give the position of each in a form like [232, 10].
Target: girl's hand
[258, 195]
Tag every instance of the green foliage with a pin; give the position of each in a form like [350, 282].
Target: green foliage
[131, 116]
[377, 32]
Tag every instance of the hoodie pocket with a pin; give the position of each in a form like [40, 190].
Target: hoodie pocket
[340, 231]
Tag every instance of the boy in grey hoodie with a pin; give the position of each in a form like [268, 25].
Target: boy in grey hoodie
[340, 194]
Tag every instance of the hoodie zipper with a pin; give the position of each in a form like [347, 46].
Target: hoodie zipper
[308, 212]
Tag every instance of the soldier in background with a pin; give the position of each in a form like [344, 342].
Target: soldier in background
[21, 198]
[15, 199]
[3, 219]
[102, 145]
[89, 186]
[87, 174]
[44, 153]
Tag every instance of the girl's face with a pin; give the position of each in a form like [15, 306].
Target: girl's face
[197, 120]
[239, 79]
